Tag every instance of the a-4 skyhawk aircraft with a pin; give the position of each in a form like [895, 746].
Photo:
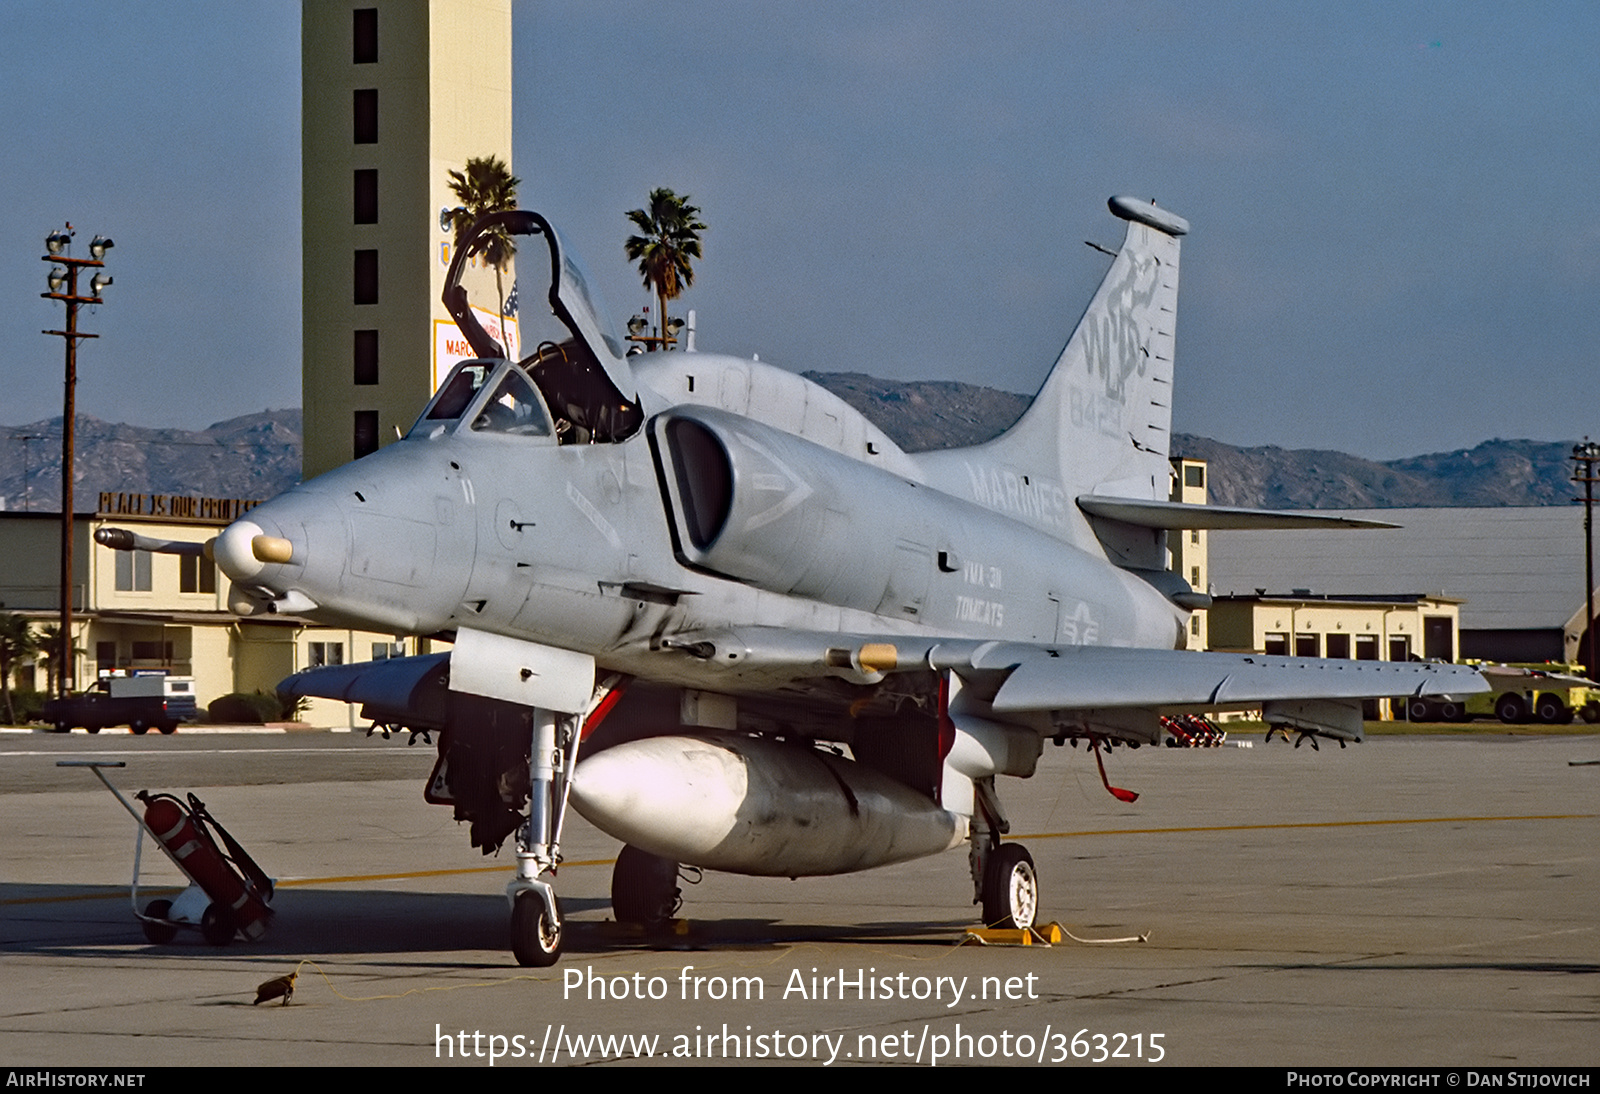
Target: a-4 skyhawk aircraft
[675, 583]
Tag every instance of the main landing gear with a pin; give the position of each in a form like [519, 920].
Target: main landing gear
[1003, 878]
[644, 888]
[1010, 889]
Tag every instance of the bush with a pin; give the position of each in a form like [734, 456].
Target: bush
[27, 704]
[242, 708]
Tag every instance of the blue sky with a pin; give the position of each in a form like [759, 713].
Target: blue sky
[1393, 246]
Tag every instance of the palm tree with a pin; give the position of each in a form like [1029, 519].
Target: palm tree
[671, 238]
[486, 186]
[17, 640]
[48, 646]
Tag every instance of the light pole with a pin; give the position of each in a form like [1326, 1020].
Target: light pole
[1585, 456]
[64, 276]
[664, 338]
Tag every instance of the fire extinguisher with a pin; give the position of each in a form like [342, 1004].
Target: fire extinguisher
[236, 905]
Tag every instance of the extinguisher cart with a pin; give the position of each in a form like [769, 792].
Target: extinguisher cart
[228, 896]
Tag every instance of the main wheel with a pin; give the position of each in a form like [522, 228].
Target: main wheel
[1511, 709]
[159, 934]
[216, 924]
[644, 888]
[535, 941]
[168, 728]
[92, 729]
[1010, 889]
[1419, 710]
[139, 727]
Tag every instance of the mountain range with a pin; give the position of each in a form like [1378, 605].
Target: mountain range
[258, 455]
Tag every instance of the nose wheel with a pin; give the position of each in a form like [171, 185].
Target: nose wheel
[536, 929]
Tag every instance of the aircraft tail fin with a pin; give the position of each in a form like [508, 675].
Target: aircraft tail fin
[1101, 424]
[1104, 414]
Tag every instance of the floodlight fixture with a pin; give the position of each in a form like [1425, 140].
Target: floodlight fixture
[637, 324]
[100, 283]
[98, 247]
[58, 278]
[57, 241]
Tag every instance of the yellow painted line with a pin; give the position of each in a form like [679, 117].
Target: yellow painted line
[349, 878]
[424, 873]
[86, 896]
[301, 881]
[1298, 824]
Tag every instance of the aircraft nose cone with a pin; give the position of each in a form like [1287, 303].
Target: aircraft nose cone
[233, 553]
[244, 548]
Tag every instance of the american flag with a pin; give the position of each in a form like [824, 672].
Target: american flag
[511, 302]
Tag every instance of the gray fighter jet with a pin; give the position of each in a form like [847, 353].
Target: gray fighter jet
[715, 610]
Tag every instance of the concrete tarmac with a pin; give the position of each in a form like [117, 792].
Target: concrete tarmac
[1409, 901]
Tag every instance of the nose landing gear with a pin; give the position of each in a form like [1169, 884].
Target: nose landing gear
[536, 927]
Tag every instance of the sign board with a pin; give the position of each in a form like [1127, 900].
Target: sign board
[450, 345]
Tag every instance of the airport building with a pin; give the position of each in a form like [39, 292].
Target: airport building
[1517, 575]
[395, 94]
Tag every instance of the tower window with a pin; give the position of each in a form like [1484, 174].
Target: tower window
[366, 196]
[366, 357]
[366, 277]
[365, 37]
[366, 116]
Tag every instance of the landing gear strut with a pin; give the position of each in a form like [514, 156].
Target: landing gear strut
[536, 933]
[1003, 878]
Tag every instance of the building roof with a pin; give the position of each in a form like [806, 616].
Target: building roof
[1356, 600]
[1515, 568]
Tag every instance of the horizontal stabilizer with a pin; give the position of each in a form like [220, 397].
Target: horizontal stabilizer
[1175, 516]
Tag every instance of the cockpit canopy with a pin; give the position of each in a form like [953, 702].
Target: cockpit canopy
[512, 406]
[586, 393]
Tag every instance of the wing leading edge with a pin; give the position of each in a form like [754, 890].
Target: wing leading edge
[1116, 690]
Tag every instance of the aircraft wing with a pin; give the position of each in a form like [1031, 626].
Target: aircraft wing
[1509, 676]
[1098, 676]
[1024, 676]
[1115, 690]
